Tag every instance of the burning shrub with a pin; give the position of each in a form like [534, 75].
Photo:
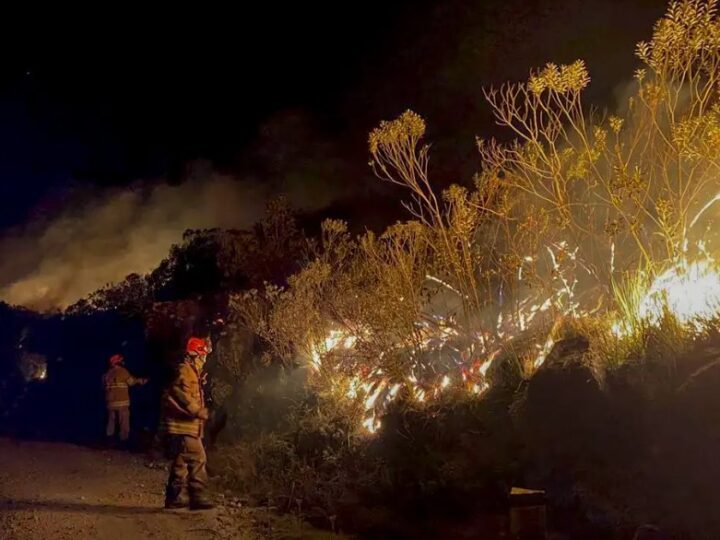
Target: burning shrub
[592, 229]
[551, 232]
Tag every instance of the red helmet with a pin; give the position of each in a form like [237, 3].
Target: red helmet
[115, 359]
[197, 346]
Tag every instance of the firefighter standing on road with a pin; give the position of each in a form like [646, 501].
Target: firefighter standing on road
[183, 417]
[117, 381]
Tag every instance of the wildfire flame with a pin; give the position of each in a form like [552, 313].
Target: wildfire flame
[442, 337]
[687, 290]
[690, 291]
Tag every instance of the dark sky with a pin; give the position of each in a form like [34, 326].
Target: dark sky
[106, 99]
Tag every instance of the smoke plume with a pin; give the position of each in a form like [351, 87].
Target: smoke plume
[53, 264]
[100, 236]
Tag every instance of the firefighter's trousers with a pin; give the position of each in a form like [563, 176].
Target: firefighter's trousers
[119, 416]
[188, 467]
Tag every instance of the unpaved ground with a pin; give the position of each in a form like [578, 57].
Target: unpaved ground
[62, 491]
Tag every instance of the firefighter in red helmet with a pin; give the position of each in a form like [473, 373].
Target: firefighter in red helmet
[183, 415]
[117, 382]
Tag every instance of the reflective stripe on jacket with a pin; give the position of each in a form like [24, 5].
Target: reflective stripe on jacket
[116, 381]
[182, 402]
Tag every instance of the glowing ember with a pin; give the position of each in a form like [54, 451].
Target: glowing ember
[372, 424]
[544, 351]
[442, 339]
[370, 401]
[335, 338]
[479, 389]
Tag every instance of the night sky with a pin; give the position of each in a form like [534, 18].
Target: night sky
[106, 99]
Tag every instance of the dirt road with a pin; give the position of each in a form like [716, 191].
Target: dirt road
[62, 491]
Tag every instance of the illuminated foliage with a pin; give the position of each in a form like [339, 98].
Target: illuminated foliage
[581, 215]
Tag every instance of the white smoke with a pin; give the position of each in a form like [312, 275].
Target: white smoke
[99, 237]
[53, 264]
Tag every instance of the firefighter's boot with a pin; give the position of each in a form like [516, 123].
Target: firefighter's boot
[174, 498]
[199, 501]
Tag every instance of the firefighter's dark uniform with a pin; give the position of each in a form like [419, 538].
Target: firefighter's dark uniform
[182, 404]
